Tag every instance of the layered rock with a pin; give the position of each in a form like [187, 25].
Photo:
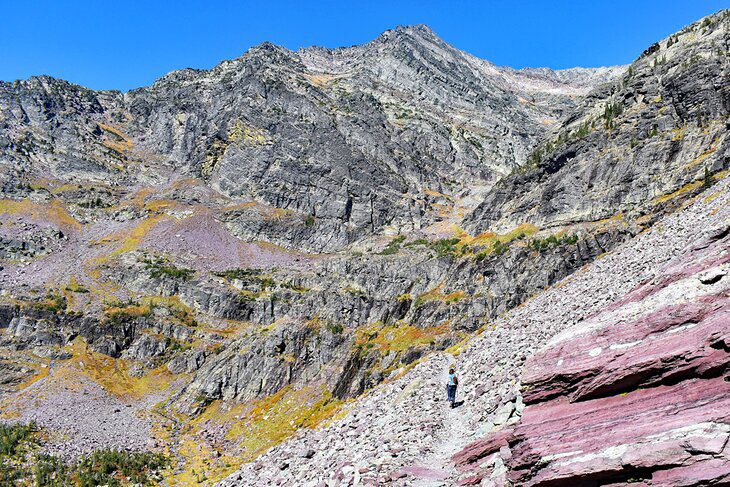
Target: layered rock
[635, 393]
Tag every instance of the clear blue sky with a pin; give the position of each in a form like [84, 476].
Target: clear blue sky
[129, 43]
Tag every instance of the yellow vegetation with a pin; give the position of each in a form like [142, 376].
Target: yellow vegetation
[130, 240]
[683, 190]
[713, 196]
[54, 211]
[40, 373]
[271, 420]
[397, 337]
[159, 206]
[679, 133]
[698, 160]
[489, 238]
[689, 188]
[180, 311]
[138, 199]
[120, 143]
[617, 218]
[67, 187]
[437, 294]
[113, 374]
[74, 286]
[131, 310]
[255, 427]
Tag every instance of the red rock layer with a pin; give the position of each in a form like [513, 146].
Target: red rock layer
[638, 394]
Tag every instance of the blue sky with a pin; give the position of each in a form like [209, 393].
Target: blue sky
[127, 44]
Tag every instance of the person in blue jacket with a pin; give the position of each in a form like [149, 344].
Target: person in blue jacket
[451, 387]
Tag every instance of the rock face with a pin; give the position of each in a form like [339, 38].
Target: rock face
[652, 132]
[351, 140]
[312, 150]
[637, 392]
[669, 431]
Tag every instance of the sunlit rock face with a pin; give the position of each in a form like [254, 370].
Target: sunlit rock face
[649, 133]
[636, 392]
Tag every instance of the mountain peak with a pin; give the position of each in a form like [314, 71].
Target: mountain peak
[420, 31]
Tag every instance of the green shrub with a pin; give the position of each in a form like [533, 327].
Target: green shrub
[707, 179]
[309, 221]
[541, 245]
[51, 471]
[499, 247]
[445, 246]
[294, 287]
[162, 268]
[105, 466]
[255, 277]
[55, 303]
[240, 274]
[611, 111]
[334, 328]
[420, 241]
[13, 435]
[393, 246]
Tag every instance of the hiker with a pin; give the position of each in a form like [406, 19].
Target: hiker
[451, 387]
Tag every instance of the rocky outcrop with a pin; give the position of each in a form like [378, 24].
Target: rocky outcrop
[632, 145]
[635, 393]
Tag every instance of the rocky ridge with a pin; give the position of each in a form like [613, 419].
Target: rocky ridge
[406, 111]
[651, 132]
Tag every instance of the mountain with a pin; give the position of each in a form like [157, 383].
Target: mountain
[553, 392]
[631, 144]
[359, 139]
[263, 269]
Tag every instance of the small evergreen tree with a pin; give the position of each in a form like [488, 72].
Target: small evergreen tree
[707, 180]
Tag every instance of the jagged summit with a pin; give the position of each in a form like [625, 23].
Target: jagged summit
[425, 111]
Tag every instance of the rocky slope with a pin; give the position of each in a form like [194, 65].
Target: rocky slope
[227, 257]
[670, 277]
[643, 401]
[650, 133]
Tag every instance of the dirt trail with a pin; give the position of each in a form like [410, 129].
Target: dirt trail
[436, 468]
